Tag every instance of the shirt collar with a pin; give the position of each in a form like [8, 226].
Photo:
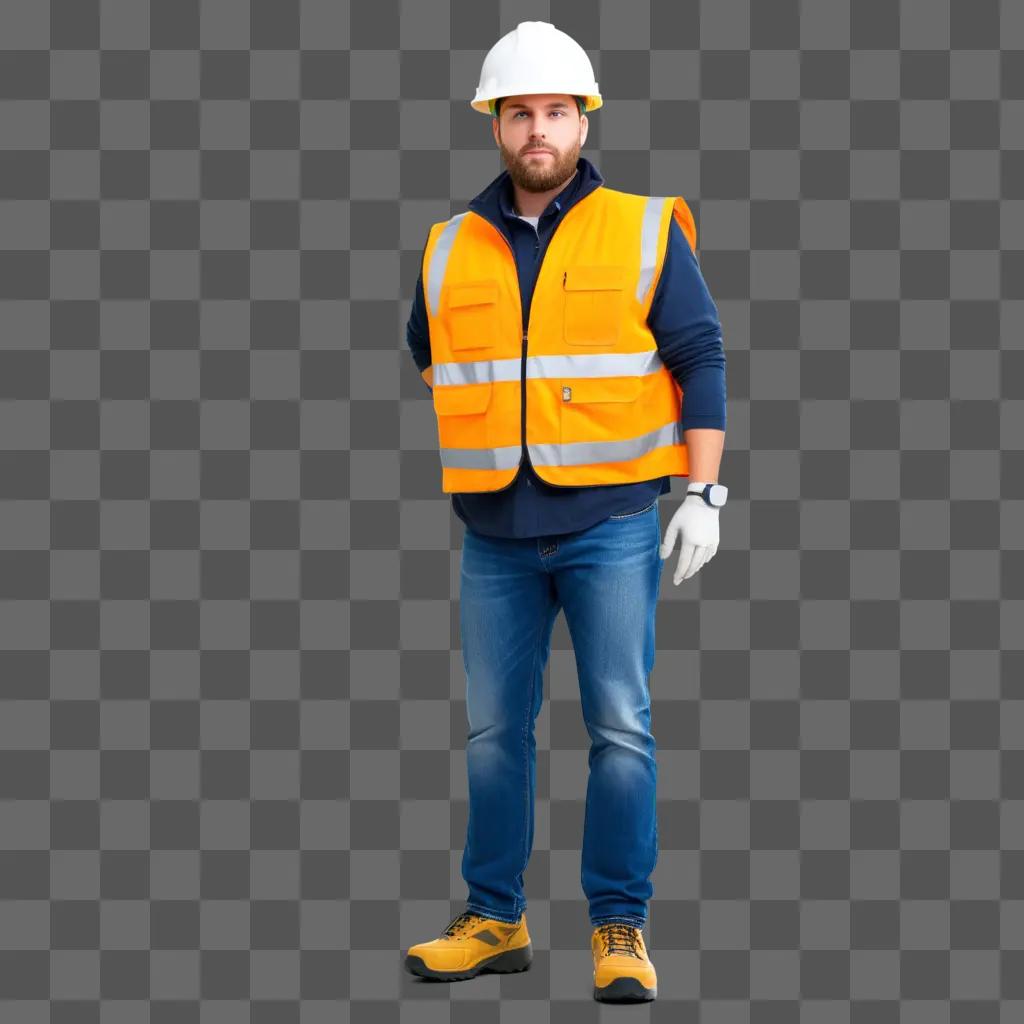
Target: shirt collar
[494, 203]
[505, 195]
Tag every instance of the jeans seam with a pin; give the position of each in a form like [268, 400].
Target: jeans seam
[526, 758]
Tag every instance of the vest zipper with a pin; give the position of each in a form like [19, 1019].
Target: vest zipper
[522, 365]
[522, 377]
[523, 328]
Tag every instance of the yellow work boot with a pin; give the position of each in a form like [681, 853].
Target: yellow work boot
[623, 972]
[472, 944]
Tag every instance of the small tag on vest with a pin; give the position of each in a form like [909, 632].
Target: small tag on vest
[566, 394]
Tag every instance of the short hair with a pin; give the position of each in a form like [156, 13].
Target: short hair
[496, 105]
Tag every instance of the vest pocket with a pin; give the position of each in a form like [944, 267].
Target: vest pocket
[599, 409]
[593, 307]
[473, 314]
[584, 390]
[462, 399]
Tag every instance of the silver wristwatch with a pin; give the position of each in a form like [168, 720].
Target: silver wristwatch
[713, 495]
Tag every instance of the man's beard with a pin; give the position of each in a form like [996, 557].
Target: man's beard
[542, 174]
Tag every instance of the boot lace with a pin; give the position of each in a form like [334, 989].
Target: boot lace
[461, 922]
[619, 937]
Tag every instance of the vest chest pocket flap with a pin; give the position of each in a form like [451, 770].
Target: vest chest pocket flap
[472, 314]
[593, 304]
[462, 399]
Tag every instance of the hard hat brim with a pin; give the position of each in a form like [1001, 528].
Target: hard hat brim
[483, 104]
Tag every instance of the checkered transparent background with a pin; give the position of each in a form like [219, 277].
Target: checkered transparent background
[232, 776]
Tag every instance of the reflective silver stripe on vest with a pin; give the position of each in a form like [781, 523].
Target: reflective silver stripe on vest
[439, 261]
[585, 453]
[649, 244]
[477, 372]
[577, 453]
[599, 364]
[482, 458]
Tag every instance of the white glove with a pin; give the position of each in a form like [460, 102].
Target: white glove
[696, 523]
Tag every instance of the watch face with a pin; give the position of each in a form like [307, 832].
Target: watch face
[718, 494]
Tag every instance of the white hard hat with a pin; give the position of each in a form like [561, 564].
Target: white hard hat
[535, 57]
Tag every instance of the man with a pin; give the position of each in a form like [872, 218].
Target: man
[558, 323]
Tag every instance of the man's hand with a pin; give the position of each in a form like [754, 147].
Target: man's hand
[696, 524]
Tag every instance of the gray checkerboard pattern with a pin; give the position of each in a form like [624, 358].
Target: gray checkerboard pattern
[232, 777]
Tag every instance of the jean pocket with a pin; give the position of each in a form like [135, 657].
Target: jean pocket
[639, 512]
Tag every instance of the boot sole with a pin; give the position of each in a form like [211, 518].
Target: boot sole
[625, 990]
[509, 962]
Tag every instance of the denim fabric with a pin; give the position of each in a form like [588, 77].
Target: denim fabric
[606, 578]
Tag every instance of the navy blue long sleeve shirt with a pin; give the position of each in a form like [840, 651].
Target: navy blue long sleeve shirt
[684, 321]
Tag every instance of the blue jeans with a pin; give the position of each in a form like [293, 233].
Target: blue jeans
[607, 580]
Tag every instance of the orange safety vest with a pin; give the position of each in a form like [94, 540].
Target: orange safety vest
[600, 405]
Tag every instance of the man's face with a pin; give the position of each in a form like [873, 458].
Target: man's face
[551, 123]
